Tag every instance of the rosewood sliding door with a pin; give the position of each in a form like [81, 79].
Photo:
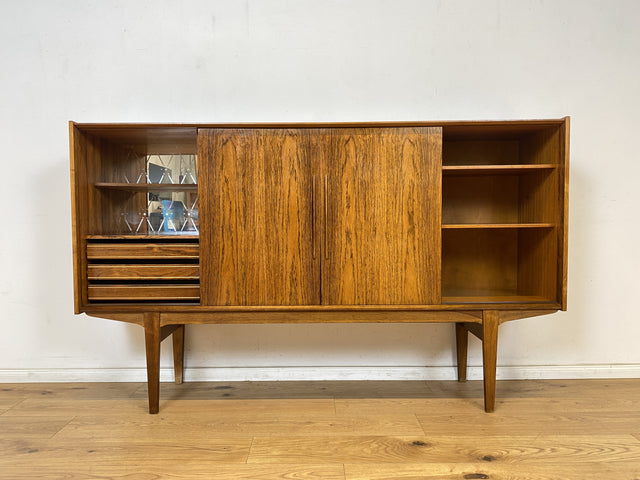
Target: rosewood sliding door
[332, 216]
[382, 216]
[258, 241]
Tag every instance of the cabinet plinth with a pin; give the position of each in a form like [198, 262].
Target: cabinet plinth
[459, 222]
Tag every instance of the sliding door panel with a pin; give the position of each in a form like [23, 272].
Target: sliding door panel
[382, 217]
[258, 238]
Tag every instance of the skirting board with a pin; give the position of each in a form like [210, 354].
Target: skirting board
[230, 374]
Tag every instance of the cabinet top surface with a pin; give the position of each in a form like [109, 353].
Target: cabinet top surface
[99, 126]
[182, 137]
[451, 127]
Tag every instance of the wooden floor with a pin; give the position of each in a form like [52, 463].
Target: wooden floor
[322, 430]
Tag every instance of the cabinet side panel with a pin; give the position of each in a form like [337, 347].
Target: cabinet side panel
[257, 218]
[564, 199]
[541, 201]
[383, 217]
[94, 211]
[79, 214]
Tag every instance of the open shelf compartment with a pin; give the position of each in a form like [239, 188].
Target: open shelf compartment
[520, 197]
[488, 265]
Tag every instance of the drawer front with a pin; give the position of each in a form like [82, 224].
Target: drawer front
[146, 272]
[173, 293]
[143, 272]
[142, 251]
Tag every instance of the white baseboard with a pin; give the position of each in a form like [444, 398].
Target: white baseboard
[229, 374]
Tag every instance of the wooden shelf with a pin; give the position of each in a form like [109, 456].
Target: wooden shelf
[465, 299]
[495, 169]
[496, 225]
[161, 237]
[149, 187]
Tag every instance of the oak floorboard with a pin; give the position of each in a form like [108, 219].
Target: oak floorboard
[540, 423]
[104, 451]
[205, 409]
[200, 426]
[9, 402]
[469, 471]
[445, 449]
[31, 427]
[517, 389]
[541, 430]
[293, 390]
[183, 471]
[79, 391]
[378, 406]
[529, 407]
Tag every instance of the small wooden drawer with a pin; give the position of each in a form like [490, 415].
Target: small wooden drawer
[144, 293]
[143, 272]
[142, 251]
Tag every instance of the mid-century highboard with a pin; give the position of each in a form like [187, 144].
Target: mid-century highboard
[455, 221]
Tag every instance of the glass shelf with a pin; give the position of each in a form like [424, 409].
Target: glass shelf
[149, 187]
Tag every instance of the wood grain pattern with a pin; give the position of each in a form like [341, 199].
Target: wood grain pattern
[177, 340]
[100, 454]
[371, 236]
[144, 251]
[563, 198]
[201, 426]
[31, 427]
[479, 263]
[478, 152]
[143, 272]
[480, 199]
[528, 157]
[543, 430]
[490, 323]
[446, 449]
[152, 340]
[383, 217]
[259, 241]
[493, 471]
[143, 292]
[462, 344]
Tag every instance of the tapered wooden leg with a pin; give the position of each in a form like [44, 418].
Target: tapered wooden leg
[490, 323]
[462, 344]
[178, 353]
[152, 339]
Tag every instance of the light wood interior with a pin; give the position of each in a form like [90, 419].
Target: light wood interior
[515, 264]
[501, 215]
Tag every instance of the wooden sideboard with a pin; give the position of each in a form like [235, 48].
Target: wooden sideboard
[462, 222]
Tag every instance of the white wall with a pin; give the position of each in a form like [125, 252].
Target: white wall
[311, 60]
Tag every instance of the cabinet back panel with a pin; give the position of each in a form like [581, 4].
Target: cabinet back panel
[481, 152]
[486, 263]
[479, 262]
[542, 147]
[480, 199]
